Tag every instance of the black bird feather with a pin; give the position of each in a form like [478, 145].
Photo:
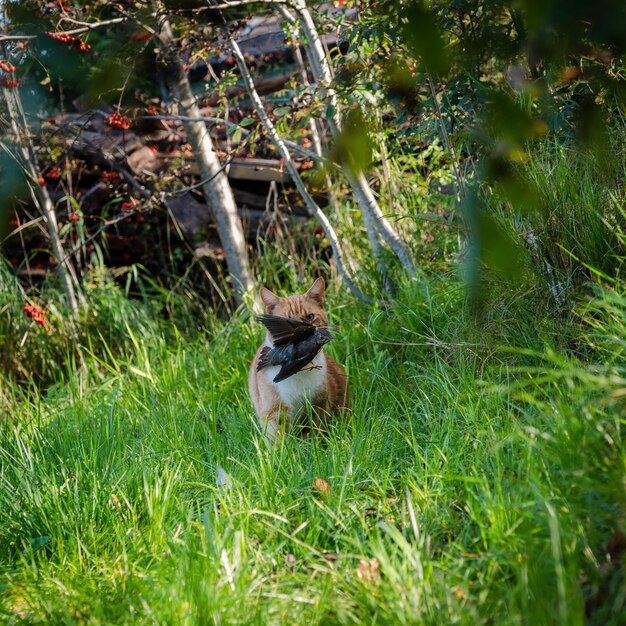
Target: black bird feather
[286, 330]
[296, 343]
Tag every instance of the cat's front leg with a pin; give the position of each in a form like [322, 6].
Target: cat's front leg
[275, 424]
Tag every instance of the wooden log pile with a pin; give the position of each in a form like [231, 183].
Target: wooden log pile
[132, 178]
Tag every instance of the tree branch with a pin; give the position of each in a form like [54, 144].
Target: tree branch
[87, 26]
[284, 153]
[216, 120]
[84, 28]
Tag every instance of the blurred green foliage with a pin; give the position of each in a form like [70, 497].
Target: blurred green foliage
[503, 78]
[354, 147]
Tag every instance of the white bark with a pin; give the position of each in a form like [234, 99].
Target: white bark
[556, 288]
[315, 135]
[41, 197]
[362, 191]
[216, 188]
[284, 153]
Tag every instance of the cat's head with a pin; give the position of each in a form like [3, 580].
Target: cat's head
[308, 306]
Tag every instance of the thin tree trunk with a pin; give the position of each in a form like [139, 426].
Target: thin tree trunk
[40, 194]
[216, 188]
[313, 129]
[284, 153]
[41, 197]
[557, 290]
[362, 191]
[445, 138]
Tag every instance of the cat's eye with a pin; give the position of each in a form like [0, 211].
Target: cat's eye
[310, 317]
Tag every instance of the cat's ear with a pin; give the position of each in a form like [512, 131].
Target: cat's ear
[270, 299]
[317, 291]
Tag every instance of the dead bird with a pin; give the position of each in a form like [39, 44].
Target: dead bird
[296, 343]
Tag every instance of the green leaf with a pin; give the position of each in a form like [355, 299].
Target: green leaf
[280, 111]
[246, 121]
[236, 136]
[429, 216]
[420, 33]
[354, 147]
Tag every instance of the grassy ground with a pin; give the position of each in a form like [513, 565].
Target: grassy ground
[480, 478]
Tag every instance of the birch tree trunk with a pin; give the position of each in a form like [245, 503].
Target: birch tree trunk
[40, 195]
[216, 188]
[286, 156]
[27, 158]
[295, 44]
[363, 193]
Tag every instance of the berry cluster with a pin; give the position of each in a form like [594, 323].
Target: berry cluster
[115, 120]
[54, 173]
[7, 67]
[35, 313]
[5, 81]
[75, 42]
[111, 177]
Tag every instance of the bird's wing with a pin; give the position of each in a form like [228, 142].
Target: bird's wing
[275, 356]
[301, 357]
[286, 330]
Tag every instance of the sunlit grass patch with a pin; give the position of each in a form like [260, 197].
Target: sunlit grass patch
[474, 479]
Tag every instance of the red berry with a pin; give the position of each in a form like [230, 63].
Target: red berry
[76, 43]
[37, 314]
[111, 177]
[115, 120]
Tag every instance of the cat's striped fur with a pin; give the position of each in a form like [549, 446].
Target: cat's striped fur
[323, 383]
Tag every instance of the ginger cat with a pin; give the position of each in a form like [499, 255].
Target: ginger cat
[323, 382]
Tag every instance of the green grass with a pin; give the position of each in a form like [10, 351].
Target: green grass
[573, 201]
[478, 479]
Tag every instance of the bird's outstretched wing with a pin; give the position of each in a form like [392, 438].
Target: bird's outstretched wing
[286, 330]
